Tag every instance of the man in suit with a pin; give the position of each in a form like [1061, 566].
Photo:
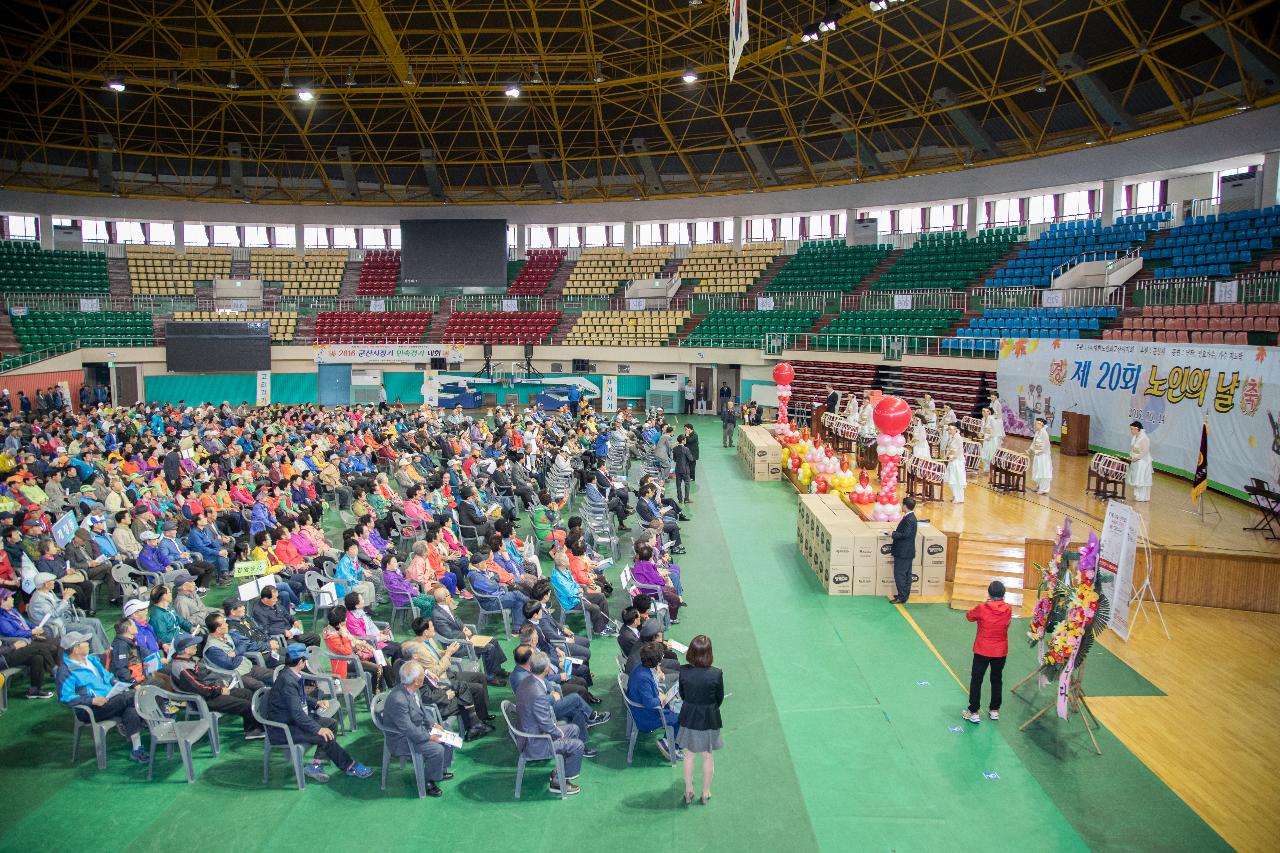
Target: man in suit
[472, 514]
[904, 551]
[449, 627]
[629, 633]
[691, 442]
[288, 703]
[832, 400]
[651, 632]
[536, 716]
[568, 706]
[729, 419]
[407, 729]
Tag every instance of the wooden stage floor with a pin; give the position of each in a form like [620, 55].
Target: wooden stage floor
[1032, 516]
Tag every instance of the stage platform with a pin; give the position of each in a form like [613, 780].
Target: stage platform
[1212, 562]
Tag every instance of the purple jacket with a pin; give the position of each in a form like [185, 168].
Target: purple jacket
[646, 572]
[398, 587]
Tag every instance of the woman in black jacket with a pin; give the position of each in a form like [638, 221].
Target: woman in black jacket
[702, 692]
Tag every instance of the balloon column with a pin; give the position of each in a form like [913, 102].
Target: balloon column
[783, 374]
[892, 415]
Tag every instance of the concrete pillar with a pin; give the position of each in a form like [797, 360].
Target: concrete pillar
[44, 228]
[971, 216]
[1270, 185]
[1112, 201]
[628, 237]
[850, 217]
[522, 240]
[179, 238]
[737, 233]
[299, 240]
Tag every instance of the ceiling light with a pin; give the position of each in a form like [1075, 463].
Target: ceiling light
[115, 83]
[689, 76]
[693, 4]
[599, 78]
[351, 77]
[809, 33]
[232, 83]
[828, 24]
[463, 77]
[305, 96]
[536, 78]
[513, 91]
[286, 82]
[408, 76]
[1040, 87]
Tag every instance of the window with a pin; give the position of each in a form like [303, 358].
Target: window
[842, 224]
[193, 234]
[1146, 196]
[942, 216]
[344, 237]
[22, 227]
[255, 236]
[1040, 209]
[395, 239]
[758, 229]
[93, 231]
[376, 238]
[286, 237]
[62, 220]
[315, 237]
[539, 237]
[130, 232]
[1075, 204]
[162, 234]
[648, 234]
[597, 235]
[910, 220]
[225, 235]
[820, 226]
[567, 237]
[512, 237]
[789, 228]
[1004, 211]
[881, 217]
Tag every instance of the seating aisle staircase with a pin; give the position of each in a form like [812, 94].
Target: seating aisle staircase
[880, 269]
[118, 284]
[769, 274]
[350, 280]
[8, 337]
[983, 559]
[435, 330]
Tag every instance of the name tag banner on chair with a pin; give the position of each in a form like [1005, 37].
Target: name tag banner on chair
[377, 305]
[1051, 299]
[764, 303]
[1170, 388]
[902, 301]
[250, 568]
[90, 305]
[635, 304]
[386, 353]
[1226, 291]
[510, 305]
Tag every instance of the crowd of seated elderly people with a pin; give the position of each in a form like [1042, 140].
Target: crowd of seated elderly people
[166, 511]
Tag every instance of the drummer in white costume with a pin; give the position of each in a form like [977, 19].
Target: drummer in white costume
[928, 410]
[1139, 476]
[992, 436]
[851, 409]
[997, 409]
[953, 453]
[867, 419]
[1041, 460]
[919, 442]
[948, 416]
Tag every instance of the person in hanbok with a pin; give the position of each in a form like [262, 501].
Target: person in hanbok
[851, 410]
[1041, 460]
[953, 453]
[919, 442]
[997, 407]
[948, 417]
[928, 410]
[992, 436]
[866, 419]
[1139, 476]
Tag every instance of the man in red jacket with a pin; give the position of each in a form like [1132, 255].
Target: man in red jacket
[990, 648]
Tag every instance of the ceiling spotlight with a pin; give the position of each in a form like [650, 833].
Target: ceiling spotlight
[463, 76]
[1040, 87]
[689, 76]
[536, 78]
[513, 91]
[286, 82]
[1242, 106]
[351, 77]
[599, 77]
[828, 24]
[408, 76]
[693, 4]
[305, 96]
[115, 83]
[232, 82]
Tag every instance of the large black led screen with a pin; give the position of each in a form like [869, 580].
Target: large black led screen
[218, 347]
[437, 253]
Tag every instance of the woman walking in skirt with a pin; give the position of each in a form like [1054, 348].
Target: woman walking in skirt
[702, 692]
[1041, 461]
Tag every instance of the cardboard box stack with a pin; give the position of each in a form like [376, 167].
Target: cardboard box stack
[760, 453]
[854, 557]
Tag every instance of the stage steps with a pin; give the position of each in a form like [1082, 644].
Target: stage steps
[982, 559]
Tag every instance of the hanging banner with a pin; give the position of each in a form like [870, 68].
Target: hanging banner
[377, 306]
[386, 353]
[902, 301]
[635, 304]
[1116, 554]
[510, 305]
[1226, 291]
[262, 389]
[1169, 388]
[1051, 299]
[738, 33]
[764, 303]
[431, 387]
[608, 394]
[89, 304]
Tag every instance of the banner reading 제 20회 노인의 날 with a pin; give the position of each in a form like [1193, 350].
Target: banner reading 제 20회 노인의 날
[1170, 388]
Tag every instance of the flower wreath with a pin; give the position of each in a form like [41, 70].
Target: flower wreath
[1074, 633]
[1047, 591]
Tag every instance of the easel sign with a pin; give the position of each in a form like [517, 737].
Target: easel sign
[253, 589]
[1116, 552]
[250, 568]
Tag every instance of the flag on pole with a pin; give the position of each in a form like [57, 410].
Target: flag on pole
[737, 33]
[1201, 481]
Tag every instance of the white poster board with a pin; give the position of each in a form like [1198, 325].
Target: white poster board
[90, 304]
[377, 305]
[430, 387]
[902, 301]
[609, 394]
[1051, 299]
[1226, 291]
[510, 305]
[635, 304]
[1116, 551]
[262, 389]
[764, 303]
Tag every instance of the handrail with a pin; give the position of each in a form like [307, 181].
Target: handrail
[775, 343]
[1254, 287]
[13, 362]
[1033, 297]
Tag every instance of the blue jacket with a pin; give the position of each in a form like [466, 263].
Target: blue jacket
[260, 519]
[203, 543]
[13, 625]
[642, 689]
[152, 559]
[485, 583]
[347, 574]
[566, 588]
[173, 551]
[78, 684]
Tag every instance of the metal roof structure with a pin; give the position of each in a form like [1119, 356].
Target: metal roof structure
[413, 102]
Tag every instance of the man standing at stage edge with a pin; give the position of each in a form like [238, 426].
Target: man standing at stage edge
[729, 417]
[904, 551]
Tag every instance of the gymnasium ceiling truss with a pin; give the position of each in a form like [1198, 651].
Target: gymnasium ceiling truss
[374, 102]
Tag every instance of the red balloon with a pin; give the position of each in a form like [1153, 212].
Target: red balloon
[892, 415]
[783, 373]
[795, 462]
[830, 453]
[822, 485]
[884, 459]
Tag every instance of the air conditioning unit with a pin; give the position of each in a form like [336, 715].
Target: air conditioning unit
[557, 367]
[668, 401]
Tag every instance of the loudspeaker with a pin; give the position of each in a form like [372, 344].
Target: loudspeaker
[488, 350]
[439, 364]
[528, 351]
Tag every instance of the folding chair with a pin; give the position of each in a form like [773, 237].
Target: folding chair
[509, 714]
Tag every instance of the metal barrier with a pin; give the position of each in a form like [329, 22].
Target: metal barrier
[1250, 288]
[885, 346]
[1034, 297]
[883, 300]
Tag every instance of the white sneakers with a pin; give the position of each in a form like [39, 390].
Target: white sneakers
[993, 714]
[971, 717]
